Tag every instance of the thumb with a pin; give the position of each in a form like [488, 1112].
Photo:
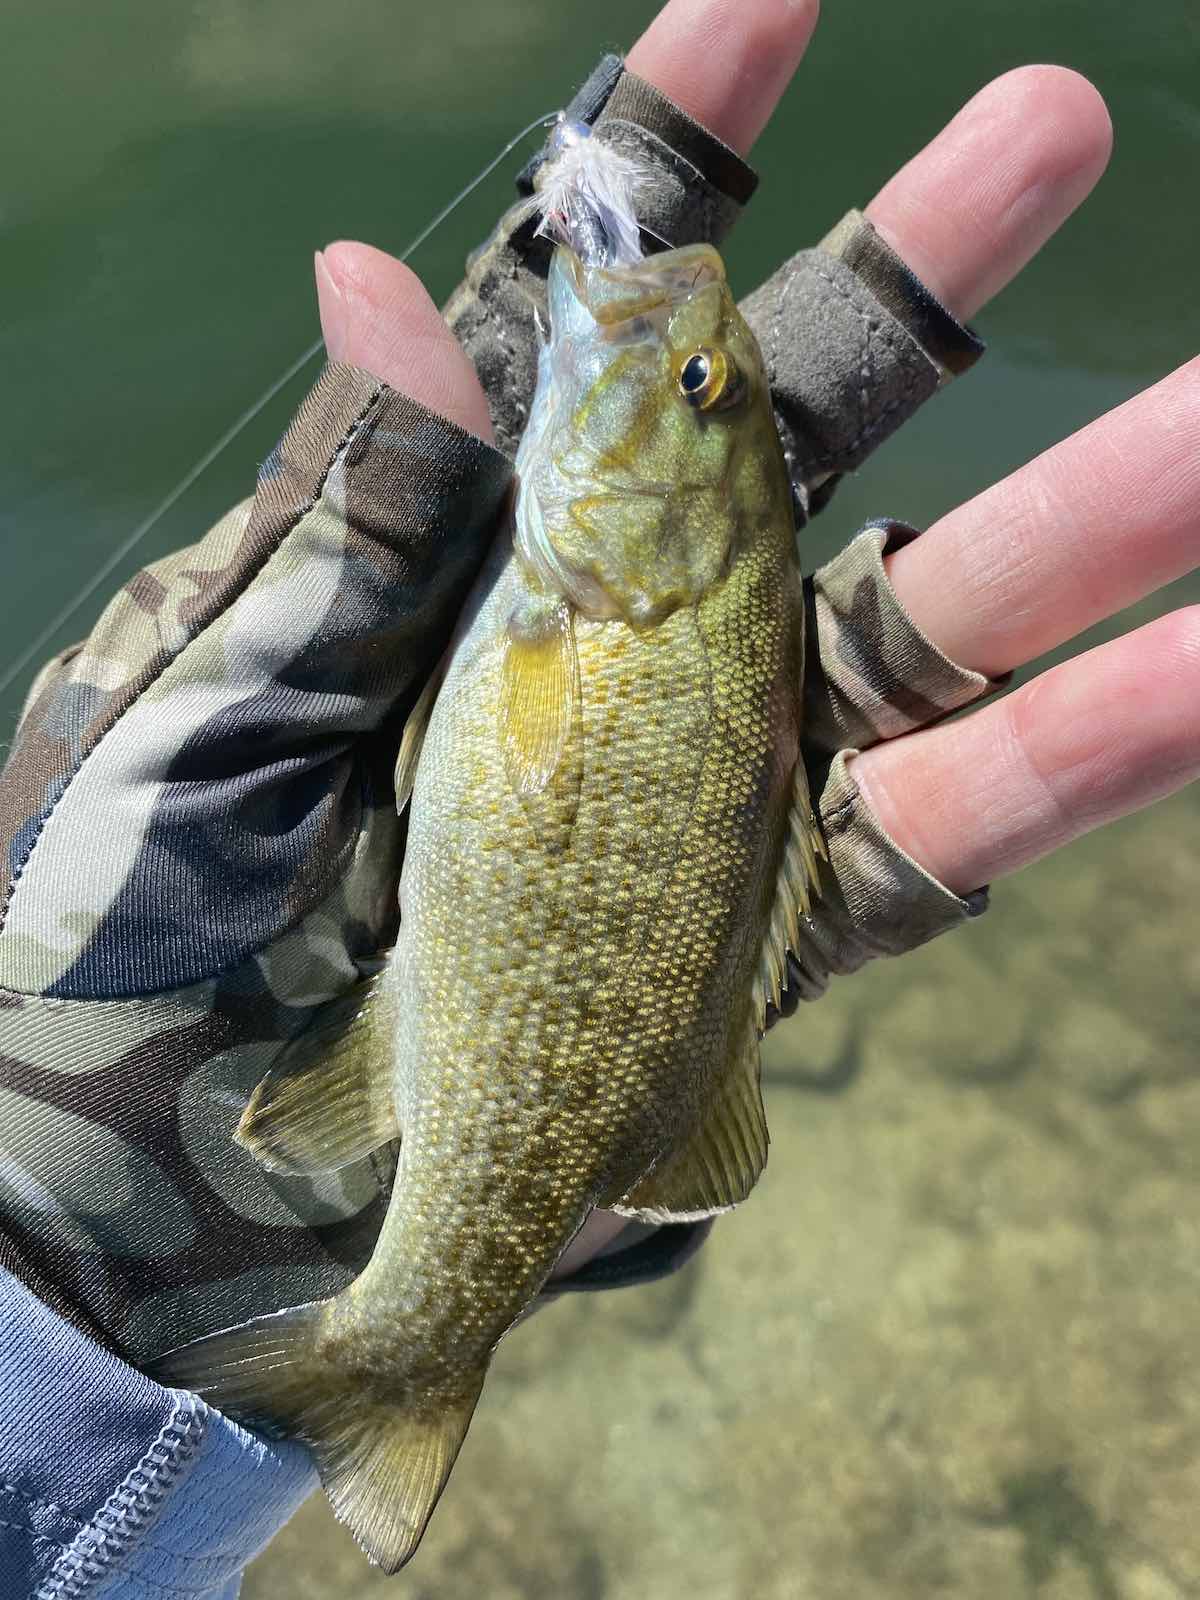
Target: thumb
[376, 314]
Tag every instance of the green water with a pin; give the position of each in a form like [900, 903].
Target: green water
[949, 1348]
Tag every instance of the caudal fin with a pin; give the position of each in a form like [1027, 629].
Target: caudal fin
[383, 1459]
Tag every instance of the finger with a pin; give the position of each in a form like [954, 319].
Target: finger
[375, 314]
[973, 206]
[1104, 734]
[1099, 521]
[725, 62]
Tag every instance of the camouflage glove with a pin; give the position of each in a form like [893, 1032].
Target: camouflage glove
[201, 846]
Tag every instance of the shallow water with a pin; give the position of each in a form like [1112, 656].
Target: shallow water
[948, 1348]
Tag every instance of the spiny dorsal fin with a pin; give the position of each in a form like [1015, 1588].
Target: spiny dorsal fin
[384, 1454]
[720, 1164]
[799, 884]
[412, 740]
[539, 692]
[329, 1099]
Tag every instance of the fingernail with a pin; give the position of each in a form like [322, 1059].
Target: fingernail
[332, 306]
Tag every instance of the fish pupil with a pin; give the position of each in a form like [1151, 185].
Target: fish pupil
[695, 374]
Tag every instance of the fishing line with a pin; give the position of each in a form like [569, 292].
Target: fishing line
[235, 428]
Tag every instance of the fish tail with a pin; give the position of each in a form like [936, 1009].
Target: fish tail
[383, 1458]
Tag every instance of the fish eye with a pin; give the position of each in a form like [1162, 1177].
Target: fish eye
[694, 375]
[709, 380]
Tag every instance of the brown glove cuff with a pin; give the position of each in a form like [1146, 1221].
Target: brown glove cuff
[870, 673]
[854, 344]
[875, 899]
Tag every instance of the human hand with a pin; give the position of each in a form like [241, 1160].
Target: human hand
[202, 848]
[1037, 559]
[1096, 523]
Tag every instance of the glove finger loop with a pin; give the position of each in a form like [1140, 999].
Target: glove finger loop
[870, 672]
[694, 192]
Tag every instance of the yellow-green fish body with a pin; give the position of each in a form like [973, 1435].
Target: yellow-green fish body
[609, 842]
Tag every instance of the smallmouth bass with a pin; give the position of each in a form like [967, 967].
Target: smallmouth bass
[610, 844]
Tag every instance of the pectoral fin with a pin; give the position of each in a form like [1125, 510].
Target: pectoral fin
[721, 1162]
[328, 1100]
[539, 692]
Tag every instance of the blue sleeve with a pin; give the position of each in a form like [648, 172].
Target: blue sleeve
[115, 1488]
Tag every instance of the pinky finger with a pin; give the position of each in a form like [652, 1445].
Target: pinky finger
[1102, 735]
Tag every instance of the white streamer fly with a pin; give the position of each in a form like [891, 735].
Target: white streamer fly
[586, 197]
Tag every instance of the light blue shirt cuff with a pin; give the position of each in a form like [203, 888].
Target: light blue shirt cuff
[115, 1488]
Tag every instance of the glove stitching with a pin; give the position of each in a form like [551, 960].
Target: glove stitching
[169, 660]
[776, 324]
[787, 433]
[866, 431]
[864, 368]
[837, 815]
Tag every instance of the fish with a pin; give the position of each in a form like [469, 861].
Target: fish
[611, 845]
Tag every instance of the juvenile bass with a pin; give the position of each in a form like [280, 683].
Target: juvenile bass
[610, 844]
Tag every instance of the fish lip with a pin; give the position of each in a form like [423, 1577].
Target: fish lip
[615, 297]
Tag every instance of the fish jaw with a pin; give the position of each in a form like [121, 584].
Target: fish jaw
[631, 497]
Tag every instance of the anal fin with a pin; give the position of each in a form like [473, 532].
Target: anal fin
[720, 1163]
[328, 1100]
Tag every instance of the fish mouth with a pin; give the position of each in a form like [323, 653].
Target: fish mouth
[645, 291]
